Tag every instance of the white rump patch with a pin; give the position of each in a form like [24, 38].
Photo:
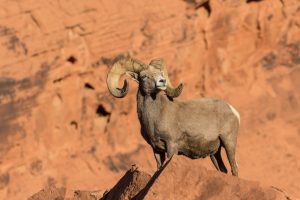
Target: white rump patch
[235, 112]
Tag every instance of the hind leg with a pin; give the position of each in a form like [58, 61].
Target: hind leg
[218, 162]
[230, 146]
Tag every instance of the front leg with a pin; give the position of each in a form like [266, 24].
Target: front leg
[172, 149]
[160, 158]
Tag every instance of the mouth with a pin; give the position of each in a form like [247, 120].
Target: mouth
[161, 86]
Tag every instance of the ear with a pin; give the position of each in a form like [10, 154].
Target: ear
[134, 76]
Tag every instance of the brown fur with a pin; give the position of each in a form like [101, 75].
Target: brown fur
[195, 128]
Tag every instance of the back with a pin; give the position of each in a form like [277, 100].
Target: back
[194, 115]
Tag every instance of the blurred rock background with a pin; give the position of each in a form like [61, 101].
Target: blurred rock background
[60, 126]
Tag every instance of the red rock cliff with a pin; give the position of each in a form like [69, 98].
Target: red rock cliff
[60, 126]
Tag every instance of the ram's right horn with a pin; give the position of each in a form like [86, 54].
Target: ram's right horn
[119, 69]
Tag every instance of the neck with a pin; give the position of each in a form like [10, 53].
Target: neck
[147, 103]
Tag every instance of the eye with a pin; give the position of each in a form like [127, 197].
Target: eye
[144, 77]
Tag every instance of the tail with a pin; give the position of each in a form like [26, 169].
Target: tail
[235, 112]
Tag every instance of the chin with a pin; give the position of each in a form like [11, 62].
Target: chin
[162, 88]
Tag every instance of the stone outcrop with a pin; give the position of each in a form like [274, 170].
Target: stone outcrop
[176, 180]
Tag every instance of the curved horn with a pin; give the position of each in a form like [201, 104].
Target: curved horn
[174, 92]
[171, 91]
[118, 69]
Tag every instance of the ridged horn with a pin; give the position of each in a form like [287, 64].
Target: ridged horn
[171, 91]
[118, 69]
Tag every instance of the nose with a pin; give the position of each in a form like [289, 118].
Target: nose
[162, 81]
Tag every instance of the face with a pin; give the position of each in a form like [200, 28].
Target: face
[152, 80]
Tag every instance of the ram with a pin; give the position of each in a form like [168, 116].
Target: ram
[194, 128]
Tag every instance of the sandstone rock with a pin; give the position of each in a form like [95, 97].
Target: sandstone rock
[59, 125]
[176, 180]
[180, 180]
[129, 185]
[49, 193]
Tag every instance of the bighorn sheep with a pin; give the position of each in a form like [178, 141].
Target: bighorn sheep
[194, 128]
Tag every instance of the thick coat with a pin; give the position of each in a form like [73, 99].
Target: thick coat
[194, 128]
